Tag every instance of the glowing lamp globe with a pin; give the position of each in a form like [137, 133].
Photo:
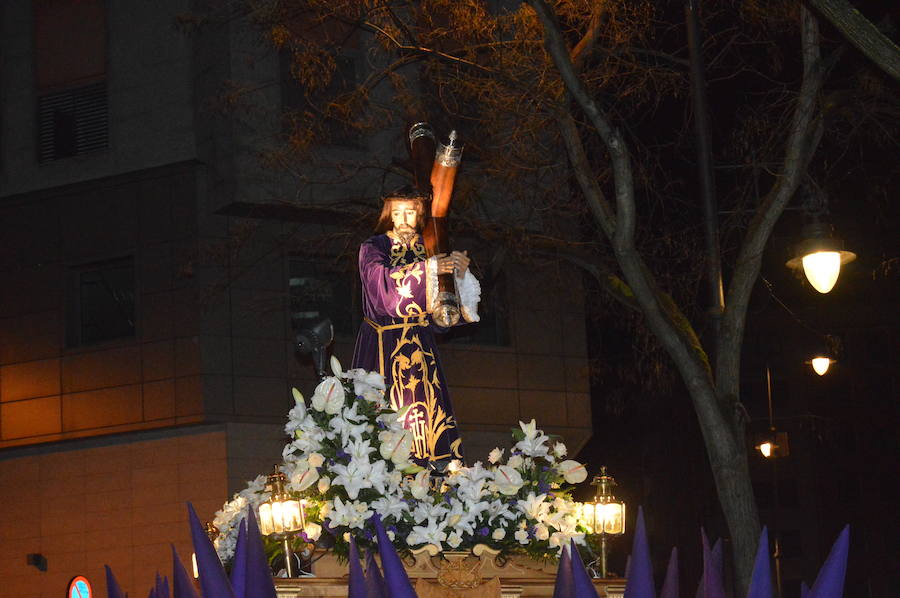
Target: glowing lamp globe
[821, 364]
[820, 256]
[605, 515]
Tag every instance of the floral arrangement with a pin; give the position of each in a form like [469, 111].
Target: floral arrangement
[349, 457]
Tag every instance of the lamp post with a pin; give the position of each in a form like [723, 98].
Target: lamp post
[605, 516]
[282, 515]
[773, 446]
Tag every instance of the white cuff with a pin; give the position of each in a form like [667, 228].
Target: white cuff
[469, 295]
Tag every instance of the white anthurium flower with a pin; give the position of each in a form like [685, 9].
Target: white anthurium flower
[515, 461]
[353, 476]
[541, 532]
[328, 396]
[302, 477]
[573, 471]
[395, 446]
[499, 533]
[495, 455]
[431, 533]
[521, 536]
[315, 459]
[390, 506]
[560, 450]
[336, 366]
[534, 506]
[353, 514]
[508, 480]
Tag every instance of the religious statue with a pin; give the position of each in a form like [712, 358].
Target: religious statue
[397, 338]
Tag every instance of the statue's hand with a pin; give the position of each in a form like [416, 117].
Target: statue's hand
[456, 261]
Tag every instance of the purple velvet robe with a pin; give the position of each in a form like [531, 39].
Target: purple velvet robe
[397, 339]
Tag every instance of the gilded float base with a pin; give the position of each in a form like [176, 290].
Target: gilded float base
[452, 575]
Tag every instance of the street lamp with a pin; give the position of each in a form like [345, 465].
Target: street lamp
[604, 516]
[819, 254]
[821, 363]
[282, 515]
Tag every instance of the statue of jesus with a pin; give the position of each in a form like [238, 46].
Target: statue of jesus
[397, 337]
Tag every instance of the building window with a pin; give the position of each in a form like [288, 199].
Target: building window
[70, 76]
[321, 288]
[100, 302]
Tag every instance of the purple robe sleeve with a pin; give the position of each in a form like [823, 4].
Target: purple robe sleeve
[397, 291]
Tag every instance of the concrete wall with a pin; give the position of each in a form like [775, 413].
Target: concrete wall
[118, 501]
[50, 391]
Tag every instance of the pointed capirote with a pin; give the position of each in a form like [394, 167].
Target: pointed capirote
[564, 586]
[239, 562]
[356, 584]
[213, 581]
[181, 583]
[152, 593]
[804, 590]
[711, 583]
[761, 580]
[162, 586]
[670, 584]
[259, 574]
[112, 586]
[583, 584]
[396, 581]
[374, 579]
[830, 581]
[640, 578]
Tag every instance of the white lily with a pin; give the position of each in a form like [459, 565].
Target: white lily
[353, 476]
[431, 533]
[390, 506]
[533, 507]
[352, 513]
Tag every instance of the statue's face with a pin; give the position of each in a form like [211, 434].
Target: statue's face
[404, 215]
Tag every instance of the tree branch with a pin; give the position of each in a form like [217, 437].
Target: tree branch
[801, 145]
[862, 33]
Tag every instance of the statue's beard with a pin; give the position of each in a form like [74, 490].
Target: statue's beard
[405, 233]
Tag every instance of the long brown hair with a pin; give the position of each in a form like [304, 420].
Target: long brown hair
[386, 223]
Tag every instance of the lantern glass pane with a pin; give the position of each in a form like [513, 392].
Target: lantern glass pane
[292, 516]
[612, 516]
[278, 516]
[265, 519]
